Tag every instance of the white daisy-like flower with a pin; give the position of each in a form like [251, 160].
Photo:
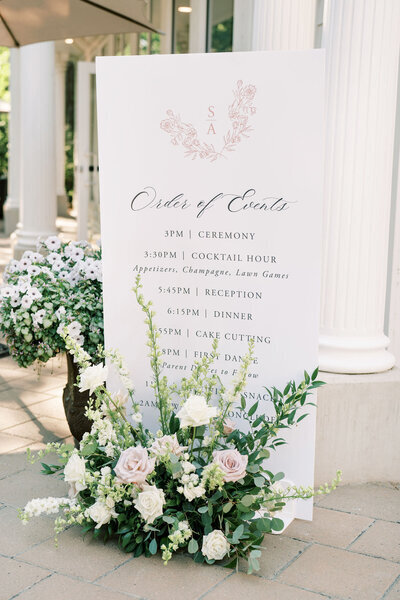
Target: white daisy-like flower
[39, 316]
[26, 302]
[24, 263]
[63, 275]
[7, 292]
[80, 340]
[15, 302]
[23, 286]
[76, 253]
[37, 257]
[52, 242]
[53, 257]
[74, 278]
[60, 312]
[68, 249]
[60, 328]
[74, 329]
[91, 272]
[57, 265]
[34, 270]
[13, 266]
[34, 293]
[28, 254]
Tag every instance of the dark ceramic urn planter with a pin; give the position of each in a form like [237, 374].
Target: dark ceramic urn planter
[75, 403]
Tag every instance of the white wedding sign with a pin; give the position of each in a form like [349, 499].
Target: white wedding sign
[211, 190]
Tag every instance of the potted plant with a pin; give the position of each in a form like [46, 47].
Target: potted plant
[57, 288]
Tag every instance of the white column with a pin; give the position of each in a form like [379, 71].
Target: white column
[60, 69]
[198, 26]
[11, 207]
[164, 12]
[284, 24]
[362, 44]
[61, 66]
[38, 188]
[242, 25]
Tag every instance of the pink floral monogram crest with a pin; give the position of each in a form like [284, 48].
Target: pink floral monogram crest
[239, 112]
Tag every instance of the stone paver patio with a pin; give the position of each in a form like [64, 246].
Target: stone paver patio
[350, 551]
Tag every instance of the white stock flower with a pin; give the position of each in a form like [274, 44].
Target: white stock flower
[48, 506]
[150, 503]
[92, 378]
[191, 491]
[52, 243]
[196, 412]
[188, 467]
[119, 399]
[215, 545]
[100, 513]
[137, 417]
[74, 473]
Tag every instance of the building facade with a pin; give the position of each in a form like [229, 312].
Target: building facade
[360, 294]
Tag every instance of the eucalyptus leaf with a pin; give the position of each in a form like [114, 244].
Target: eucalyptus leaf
[193, 546]
[153, 546]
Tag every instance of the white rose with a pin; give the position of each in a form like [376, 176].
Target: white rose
[150, 503]
[74, 473]
[215, 545]
[196, 412]
[92, 378]
[100, 513]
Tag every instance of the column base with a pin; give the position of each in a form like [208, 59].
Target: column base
[11, 218]
[27, 240]
[355, 354]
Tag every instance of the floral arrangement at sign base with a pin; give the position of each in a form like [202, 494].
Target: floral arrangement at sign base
[58, 286]
[199, 484]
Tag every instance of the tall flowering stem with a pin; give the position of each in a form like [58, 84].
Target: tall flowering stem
[159, 384]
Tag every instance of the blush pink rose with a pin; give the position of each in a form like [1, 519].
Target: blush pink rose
[229, 426]
[134, 465]
[232, 463]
